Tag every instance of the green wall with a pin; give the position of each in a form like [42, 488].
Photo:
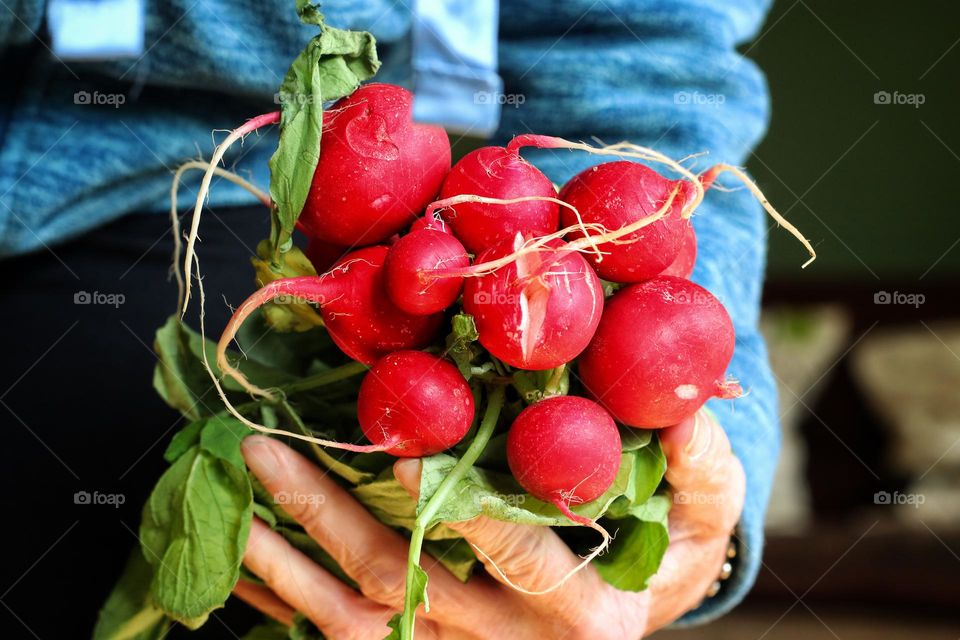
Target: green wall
[876, 180]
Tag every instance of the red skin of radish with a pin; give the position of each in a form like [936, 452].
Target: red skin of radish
[539, 311]
[420, 251]
[660, 352]
[377, 168]
[494, 172]
[683, 266]
[323, 255]
[418, 398]
[616, 194]
[565, 449]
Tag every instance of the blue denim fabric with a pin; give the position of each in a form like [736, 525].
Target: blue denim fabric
[661, 73]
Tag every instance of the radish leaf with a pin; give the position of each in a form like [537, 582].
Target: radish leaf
[332, 66]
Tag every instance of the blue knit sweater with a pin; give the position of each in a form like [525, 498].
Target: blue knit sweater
[661, 73]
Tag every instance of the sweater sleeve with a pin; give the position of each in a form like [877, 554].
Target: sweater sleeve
[20, 22]
[666, 74]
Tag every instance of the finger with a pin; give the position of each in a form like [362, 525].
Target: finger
[705, 476]
[371, 553]
[336, 609]
[534, 558]
[708, 487]
[263, 599]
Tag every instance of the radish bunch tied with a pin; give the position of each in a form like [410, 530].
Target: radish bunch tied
[524, 341]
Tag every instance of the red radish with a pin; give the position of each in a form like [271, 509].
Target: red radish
[682, 267]
[415, 398]
[378, 169]
[540, 310]
[355, 308]
[410, 257]
[615, 194]
[429, 222]
[660, 352]
[564, 450]
[494, 172]
[323, 255]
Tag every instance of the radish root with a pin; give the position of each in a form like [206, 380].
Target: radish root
[586, 560]
[175, 218]
[251, 125]
[620, 149]
[711, 174]
[699, 183]
[588, 242]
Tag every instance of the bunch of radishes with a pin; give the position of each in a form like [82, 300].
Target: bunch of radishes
[529, 265]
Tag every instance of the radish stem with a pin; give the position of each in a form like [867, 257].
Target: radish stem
[433, 504]
[251, 125]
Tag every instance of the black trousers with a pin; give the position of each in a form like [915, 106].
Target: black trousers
[83, 430]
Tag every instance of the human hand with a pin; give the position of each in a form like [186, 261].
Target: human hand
[708, 485]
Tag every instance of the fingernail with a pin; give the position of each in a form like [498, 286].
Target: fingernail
[408, 467]
[407, 472]
[261, 456]
[701, 438]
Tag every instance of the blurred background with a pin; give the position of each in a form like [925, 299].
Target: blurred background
[864, 526]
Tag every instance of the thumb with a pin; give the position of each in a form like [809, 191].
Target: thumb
[706, 477]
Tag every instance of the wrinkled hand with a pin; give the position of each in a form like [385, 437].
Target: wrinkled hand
[700, 464]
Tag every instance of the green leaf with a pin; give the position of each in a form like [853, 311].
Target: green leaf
[182, 440]
[184, 383]
[332, 65]
[195, 525]
[128, 613]
[498, 496]
[637, 550]
[221, 436]
[633, 439]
